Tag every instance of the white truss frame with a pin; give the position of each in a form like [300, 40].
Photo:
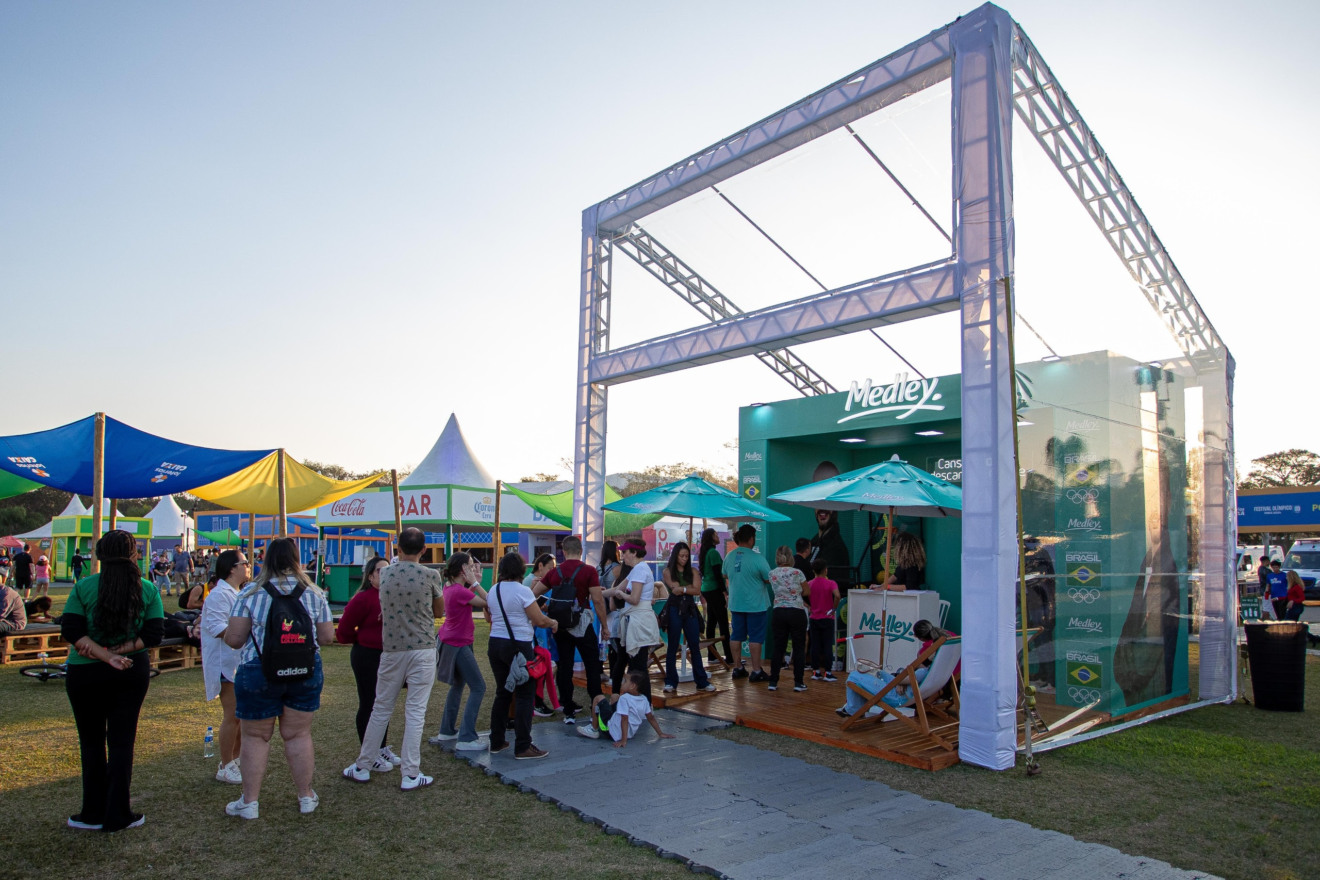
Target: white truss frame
[995, 72]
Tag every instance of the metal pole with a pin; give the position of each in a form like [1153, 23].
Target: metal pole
[98, 484]
[398, 509]
[284, 510]
[495, 534]
[1028, 692]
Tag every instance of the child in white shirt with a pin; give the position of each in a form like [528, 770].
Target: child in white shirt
[621, 716]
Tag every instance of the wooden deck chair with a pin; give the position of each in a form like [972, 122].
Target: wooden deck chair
[924, 700]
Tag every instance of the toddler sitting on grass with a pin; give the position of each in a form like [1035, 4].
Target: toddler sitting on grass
[621, 716]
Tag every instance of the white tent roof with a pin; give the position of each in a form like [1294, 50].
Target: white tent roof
[43, 532]
[168, 519]
[450, 462]
[75, 507]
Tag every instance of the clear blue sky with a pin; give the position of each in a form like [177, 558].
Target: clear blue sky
[348, 220]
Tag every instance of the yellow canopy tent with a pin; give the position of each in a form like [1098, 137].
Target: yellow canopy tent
[256, 489]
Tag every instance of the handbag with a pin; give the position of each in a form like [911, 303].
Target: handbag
[537, 667]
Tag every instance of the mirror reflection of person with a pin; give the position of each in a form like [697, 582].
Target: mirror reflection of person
[827, 544]
[908, 557]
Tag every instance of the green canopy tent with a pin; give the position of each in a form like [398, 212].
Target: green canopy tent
[11, 485]
[559, 507]
[226, 538]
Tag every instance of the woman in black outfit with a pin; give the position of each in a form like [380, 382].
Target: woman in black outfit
[908, 559]
[111, 619]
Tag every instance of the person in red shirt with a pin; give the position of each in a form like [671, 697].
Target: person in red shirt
[360, 626]
[1296, 597]
[582, 638]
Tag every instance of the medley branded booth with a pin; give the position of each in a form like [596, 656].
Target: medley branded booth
[1108, 507]
[1105, 421]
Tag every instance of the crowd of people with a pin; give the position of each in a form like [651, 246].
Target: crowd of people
[261, 636]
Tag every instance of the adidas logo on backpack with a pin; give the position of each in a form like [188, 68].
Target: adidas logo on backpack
[288, 650]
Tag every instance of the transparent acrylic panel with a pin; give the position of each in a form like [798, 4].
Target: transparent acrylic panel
[1123, 441]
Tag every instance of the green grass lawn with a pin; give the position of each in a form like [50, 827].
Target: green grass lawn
[466, 825]
[1233, 790]
[1227, 789]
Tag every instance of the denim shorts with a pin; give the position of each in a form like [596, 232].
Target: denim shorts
[257, 699]
[748, 626]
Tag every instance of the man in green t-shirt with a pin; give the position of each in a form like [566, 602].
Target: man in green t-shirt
[748, 576]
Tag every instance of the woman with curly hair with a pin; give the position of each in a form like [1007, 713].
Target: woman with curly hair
[111, 619]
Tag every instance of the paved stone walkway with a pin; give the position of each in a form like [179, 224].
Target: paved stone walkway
[736, 811]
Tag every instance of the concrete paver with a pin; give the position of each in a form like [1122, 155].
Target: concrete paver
[740, 812]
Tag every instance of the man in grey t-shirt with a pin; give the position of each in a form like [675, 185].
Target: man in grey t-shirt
[411, 598]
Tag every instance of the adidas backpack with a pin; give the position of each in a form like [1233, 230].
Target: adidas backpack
[288, 651]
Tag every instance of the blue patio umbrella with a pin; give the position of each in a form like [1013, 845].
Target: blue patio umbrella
[695, 498]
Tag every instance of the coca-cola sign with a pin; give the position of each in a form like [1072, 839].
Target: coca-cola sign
[349, 507]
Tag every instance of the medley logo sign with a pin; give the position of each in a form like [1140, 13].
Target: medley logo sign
[895, 630]
[903, 396]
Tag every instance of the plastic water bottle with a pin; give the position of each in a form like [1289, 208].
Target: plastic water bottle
[208, 745]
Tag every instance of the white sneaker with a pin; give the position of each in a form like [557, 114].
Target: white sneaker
[472, 745]
[387, 754]
[708, 689]
[229, 773]
[354, 773]
[413, 782]
[308, 804]
[442, 738]
[242, 808]
[669, 689]
[589, 731]
[380, 765]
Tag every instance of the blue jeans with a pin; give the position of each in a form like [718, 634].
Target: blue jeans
[689, 628]
[466, 672]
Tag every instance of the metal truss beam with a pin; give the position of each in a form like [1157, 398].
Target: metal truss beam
[1053, 120]
[926, 290]
[699, 293]
[911, 69]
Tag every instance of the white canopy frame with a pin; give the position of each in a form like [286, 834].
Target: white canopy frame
[995, 73]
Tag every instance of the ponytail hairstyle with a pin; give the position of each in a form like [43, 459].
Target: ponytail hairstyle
[454, 567]
[281, 560]
[709, 541]
[119, 604]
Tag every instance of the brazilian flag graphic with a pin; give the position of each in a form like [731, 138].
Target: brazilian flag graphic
[1083, 574]
[1084, 674]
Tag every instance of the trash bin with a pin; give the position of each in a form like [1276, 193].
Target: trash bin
[1277, 654]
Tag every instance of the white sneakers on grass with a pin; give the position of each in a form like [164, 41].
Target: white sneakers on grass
[442, 738]
[387, 754]
[242, 809]
[230, 773]
[308, 804]
[411, 783]
[354, 773]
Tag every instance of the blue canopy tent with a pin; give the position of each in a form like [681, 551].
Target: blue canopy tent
[136, 464]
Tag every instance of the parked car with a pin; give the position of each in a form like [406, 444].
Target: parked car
[1304, 558]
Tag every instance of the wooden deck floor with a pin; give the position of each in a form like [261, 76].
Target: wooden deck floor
[810, 716]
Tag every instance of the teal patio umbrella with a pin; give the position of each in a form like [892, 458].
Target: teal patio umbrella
[894, 487]
[695, 498]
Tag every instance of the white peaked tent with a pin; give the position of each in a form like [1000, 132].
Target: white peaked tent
[169, 521]
[450, 463]
[36, 534]
[75, 507]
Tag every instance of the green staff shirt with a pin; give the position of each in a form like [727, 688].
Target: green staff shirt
[82, 600]
[749, 580]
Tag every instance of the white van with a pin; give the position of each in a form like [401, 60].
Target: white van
[1304, 558]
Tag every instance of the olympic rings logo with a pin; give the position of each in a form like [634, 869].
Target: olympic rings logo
[1082, 496]
[1086, 696]
[1084, 595]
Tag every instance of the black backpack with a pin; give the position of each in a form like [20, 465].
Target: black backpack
[288, 652]
[563, 605]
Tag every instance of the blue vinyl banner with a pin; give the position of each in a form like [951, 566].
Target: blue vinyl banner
[1260, 513]
[137, 464]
